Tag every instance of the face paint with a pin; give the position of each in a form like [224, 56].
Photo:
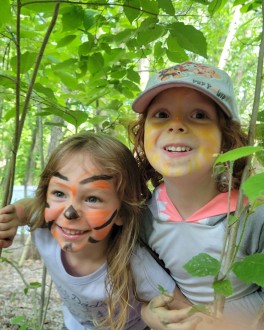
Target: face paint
[102, 231]
[83, 205]
[182, 133]
[71, 213]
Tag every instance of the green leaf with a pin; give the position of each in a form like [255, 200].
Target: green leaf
[34, 285]
[167, 7]
[216, 5]
[44, 90]
[27, 61]
[202, 265]
[223, 287]
[85, 48]
[5, 15]
[67, 79]
[66, 40]
[189, 38]
[150, 6]
[251, 269]
[178, 56]
[73, 18]
[76, 117]
[88, 19]
[235, 154]
[95, 63]
[158, 50]
[18, 319]
[253, 187]
[131, 9]
[41, 7]
[150, 33]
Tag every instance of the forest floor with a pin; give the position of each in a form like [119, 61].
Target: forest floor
[19, 310]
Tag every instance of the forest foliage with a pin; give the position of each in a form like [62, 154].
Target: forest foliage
[69, 65]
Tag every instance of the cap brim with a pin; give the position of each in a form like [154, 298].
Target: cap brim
[142, 102]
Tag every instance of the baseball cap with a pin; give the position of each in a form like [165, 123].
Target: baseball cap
[205, 78]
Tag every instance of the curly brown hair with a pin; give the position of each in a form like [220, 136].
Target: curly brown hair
[233, 137]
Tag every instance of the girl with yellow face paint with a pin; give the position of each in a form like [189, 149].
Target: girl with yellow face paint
[187, 116]
[85, 226]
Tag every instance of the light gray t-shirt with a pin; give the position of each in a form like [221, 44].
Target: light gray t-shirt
[84, 297]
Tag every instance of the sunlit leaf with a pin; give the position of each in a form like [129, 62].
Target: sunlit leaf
[235, 154]
[5, 15]
[253, 187]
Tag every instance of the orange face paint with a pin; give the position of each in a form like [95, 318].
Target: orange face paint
[80, 189]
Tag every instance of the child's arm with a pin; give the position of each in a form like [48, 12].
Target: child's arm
[12, 216]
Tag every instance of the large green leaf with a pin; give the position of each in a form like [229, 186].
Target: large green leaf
[73, 18]
[202, 265]
[253, 187]
[235, 154]
[251, 269]
[149, 31]
[189, 38]
[27, 61]
[5, 14]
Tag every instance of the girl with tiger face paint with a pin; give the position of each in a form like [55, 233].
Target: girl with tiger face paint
[85, 226]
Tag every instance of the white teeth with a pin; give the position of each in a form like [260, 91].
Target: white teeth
[177, 149]
[72, 232]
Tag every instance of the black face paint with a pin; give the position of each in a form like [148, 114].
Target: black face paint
[49, 224]
[96, 178]
[71, 213]
[107, 222]
[91, 239]
[67, 247]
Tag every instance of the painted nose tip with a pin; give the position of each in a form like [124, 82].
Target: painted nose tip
[71, 213]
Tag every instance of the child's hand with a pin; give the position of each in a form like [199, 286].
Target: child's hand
[9, 222]
[158, 317]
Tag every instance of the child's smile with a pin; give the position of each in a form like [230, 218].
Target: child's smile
[181, 132]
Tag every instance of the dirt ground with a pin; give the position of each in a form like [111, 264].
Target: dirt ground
[17, 309]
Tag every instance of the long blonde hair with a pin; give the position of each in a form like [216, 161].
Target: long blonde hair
[116, 160]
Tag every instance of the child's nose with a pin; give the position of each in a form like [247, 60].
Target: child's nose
[177, 125]
[71, 214]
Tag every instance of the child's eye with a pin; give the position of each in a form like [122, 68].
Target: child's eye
[58, 194]
[199, 115]
[92, 199]
[161, 114]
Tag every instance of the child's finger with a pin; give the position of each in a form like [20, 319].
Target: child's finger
[5, 243]
[7, 209]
